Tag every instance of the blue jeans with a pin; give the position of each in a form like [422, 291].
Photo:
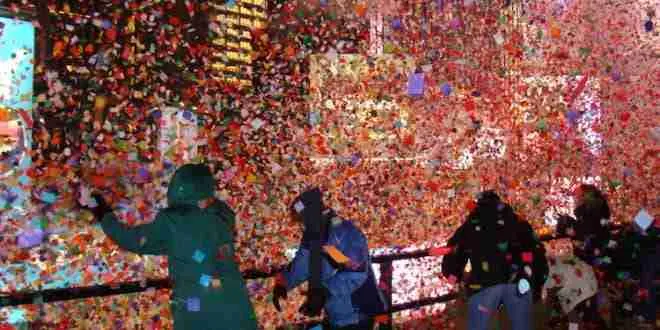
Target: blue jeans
[484, 304]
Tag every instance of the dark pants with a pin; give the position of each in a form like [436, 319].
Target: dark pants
[650, 267]
[483, 305]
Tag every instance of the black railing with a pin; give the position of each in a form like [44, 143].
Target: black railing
[385, 283]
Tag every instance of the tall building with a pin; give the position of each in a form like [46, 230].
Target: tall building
[231, 24]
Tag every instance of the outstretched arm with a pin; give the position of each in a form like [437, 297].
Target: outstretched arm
[149, 238]
[453, 264]
[298, 270]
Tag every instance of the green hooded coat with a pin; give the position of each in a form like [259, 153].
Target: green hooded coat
[208, 289]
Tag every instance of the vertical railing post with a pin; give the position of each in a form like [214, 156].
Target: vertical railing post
[43, 17]
[385, 284]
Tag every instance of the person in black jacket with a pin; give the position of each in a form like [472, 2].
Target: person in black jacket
[593, 231]
[637, 257]
[508, 263]
[593, 243]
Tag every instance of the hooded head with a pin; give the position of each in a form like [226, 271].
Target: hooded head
[488, 198]
[491, 208]
[310, 199]
[589, 195]
[190, 184]
[309, 210]
[591, 209]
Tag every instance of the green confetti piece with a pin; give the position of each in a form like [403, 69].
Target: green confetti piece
[542, 125]
[585, 51]
[615, 184]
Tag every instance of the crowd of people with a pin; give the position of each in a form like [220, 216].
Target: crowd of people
[508, 263]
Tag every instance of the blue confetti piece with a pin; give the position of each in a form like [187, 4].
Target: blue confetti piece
[523, 286]
[572, 116]
[193, 304]
[143, 174]
[623, 275]
[231, 3]
[24, 180]
[446, 89]
[48, 197]
[205, 280]
[396, 23]
[440, 5]
[199, 256]
[26, 162]
[355, 159]
[627, 172]
[314, 118]
[17, 316]
[106, 24]
[648, 26]
[168, 165]
[416, 84]
[30, 239]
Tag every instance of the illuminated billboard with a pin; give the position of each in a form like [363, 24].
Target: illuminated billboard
[16, 75]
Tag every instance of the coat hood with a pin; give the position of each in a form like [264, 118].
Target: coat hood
[190, 184]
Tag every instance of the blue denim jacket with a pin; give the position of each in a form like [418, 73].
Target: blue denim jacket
[339, 307]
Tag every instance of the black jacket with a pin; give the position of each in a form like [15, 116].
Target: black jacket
[501, 249]
[592, 237]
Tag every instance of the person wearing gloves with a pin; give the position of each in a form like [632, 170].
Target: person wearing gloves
[334, 258]
[196, 232]
[508, 263]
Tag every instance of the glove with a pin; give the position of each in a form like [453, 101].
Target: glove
[315, 302]
[523, 286]
[102, 208]
[279, 292]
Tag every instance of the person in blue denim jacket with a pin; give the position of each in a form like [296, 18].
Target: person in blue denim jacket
[349, 293]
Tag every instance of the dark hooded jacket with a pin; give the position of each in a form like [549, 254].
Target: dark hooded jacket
[208, 289]
[591, 233]
[500, 247]
[353, 294]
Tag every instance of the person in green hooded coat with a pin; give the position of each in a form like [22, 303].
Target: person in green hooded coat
[196, 232]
